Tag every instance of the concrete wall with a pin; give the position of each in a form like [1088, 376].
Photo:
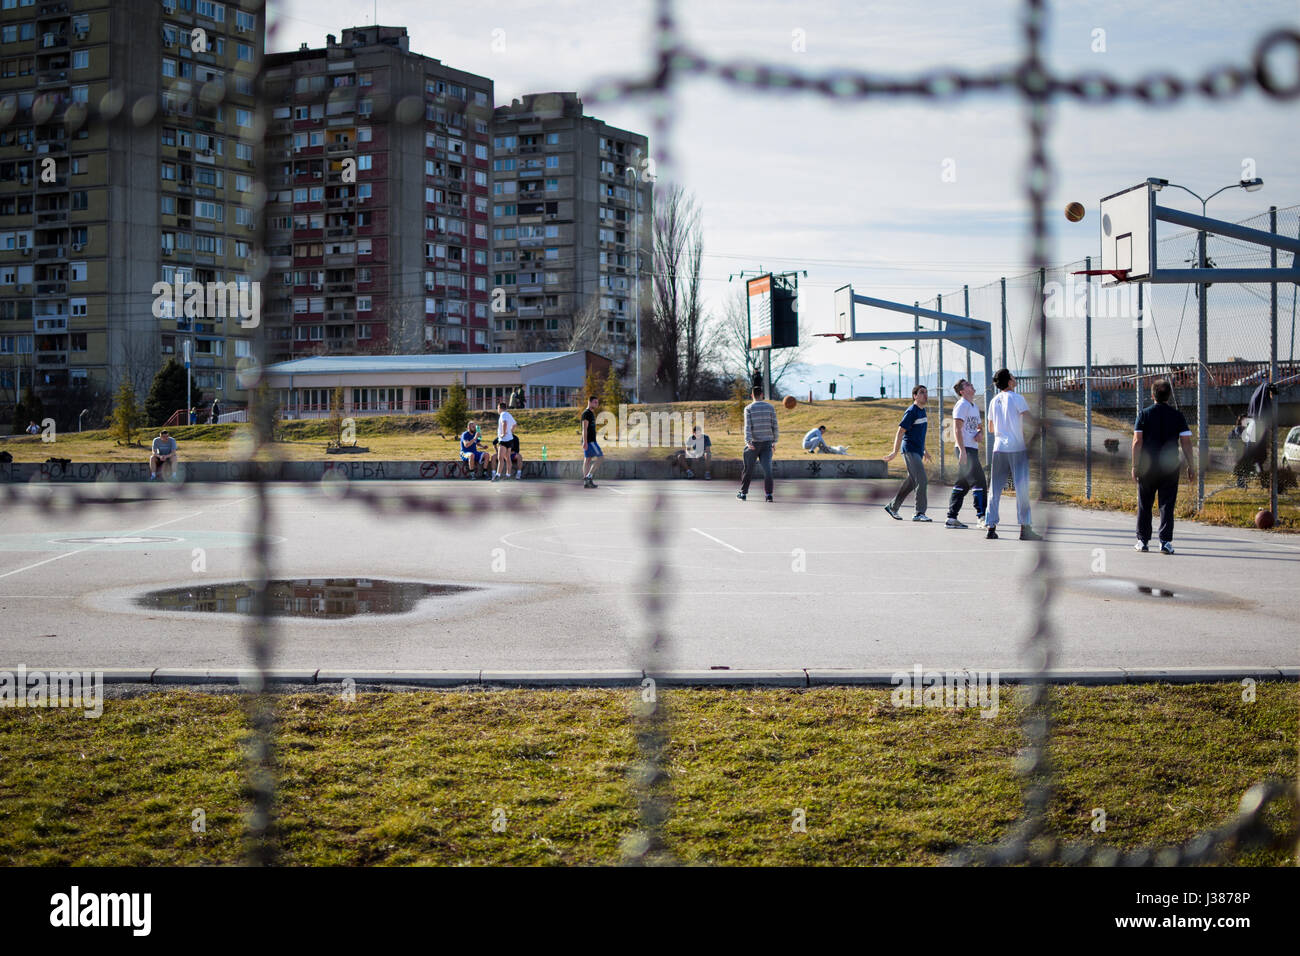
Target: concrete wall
[570, 470]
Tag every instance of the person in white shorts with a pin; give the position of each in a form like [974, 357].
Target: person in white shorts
[507, 442]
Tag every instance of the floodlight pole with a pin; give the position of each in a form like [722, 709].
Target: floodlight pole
[1272, 363]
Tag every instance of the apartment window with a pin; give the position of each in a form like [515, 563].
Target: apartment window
[213, 11]
[207, 210]
[365, 161]
[243, 117]
[77, 271]
[77, 341]
[244, 52]
[168, 67]
[81, 94]
[552, 185]
[79, 199]
[77, 307]
[552, 162]
[169, 205]
[363, 303]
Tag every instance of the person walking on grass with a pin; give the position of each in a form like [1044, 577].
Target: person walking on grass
[911, 439]
[1010, 455]
[970, 473]
[761, 433]
[1159, 431]
[591, 452]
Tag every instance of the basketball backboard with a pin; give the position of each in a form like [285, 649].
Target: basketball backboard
[844, 317]
[1128, 234]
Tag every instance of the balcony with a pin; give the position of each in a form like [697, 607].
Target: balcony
[51, 217]
[51, 252]
[52, 288]
[338, 232]
[335, 149]
[339, 288]
[48, 359]
[52, 78]
[340, 317]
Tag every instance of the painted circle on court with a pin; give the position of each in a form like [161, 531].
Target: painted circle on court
[120, 539]
[106, 542]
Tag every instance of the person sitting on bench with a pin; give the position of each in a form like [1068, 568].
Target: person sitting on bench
[162, 453]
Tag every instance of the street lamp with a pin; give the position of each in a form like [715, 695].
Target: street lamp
[899, 353]
[878, 368]
[900, 377]
[1203, 356]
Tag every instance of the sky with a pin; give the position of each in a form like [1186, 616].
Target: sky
[902, 199]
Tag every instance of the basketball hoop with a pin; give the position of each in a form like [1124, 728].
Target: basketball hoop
[1119, 275]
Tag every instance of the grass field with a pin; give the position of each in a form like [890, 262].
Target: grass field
[416, 777]
[868, 429]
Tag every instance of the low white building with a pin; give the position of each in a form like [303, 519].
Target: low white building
[413, 384]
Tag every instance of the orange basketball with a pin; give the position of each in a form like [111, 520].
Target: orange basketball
[1075, 211]
[1263, 519]
[790, 401]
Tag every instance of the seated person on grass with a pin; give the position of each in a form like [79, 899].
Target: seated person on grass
[471, 452]
[163, 453]
[815, 441]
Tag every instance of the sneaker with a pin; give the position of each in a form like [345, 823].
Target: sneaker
[473, 477]
[519, 476]
[953, 523]
[741, 495]
[689, 473]
[991, 534]
[496, 477]
[921, 517]
[889, 510]
[1029, 534]
[707, 476]
[982, 523]
[1166, 547]
[767, 497]
[1140, 546]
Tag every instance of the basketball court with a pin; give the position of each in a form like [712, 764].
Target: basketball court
[751, 586]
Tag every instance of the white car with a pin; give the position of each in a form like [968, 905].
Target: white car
[1291, 449]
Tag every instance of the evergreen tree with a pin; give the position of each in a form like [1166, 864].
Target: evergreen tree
[20, 419]
[454, 412]
[127, 417]
[613, 394]
[167, 394]
[593, 385]
[33, 409]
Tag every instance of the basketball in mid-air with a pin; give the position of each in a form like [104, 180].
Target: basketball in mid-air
[790, 401]
[1075, 211]
[1263, 519]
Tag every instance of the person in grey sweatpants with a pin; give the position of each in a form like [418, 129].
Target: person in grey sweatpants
[911, 439]
[1010, 455]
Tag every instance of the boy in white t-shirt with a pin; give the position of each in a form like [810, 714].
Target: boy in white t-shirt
[970, 472]
[1010, 456]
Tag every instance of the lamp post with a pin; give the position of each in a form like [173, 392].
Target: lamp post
[900, 376]
[1202, 359]
[899, 353]
[878, 368]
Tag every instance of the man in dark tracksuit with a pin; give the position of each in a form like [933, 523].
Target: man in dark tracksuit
[911, 439]
[1157, 434]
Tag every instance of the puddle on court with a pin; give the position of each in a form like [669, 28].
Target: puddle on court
[318, 598]
[1128, 589]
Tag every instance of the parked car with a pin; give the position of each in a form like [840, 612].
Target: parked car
[1291, 448]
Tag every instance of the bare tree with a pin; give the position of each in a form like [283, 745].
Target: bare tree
[731, 339]
[677, 333]
[587, 330]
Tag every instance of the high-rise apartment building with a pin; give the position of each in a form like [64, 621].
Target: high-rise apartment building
[571, 229]
[92, 215]
[378, 172]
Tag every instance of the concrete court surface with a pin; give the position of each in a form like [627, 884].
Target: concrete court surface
[566, 594]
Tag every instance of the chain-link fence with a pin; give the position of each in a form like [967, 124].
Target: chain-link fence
[1030, 340]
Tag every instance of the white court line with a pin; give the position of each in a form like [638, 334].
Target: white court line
[68, 554]
[718, 540]
[615, 490]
